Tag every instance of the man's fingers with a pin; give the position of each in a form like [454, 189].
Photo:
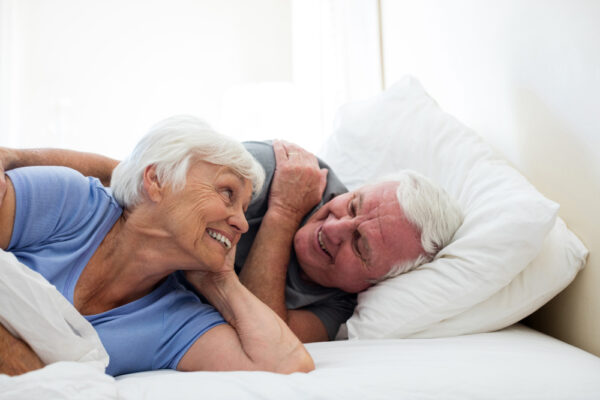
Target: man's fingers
[280, 151]
[323, 183]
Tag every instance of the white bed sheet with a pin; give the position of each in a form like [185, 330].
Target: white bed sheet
[515, 363]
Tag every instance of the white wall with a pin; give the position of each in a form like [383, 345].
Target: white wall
[525, 74]
[96, 74]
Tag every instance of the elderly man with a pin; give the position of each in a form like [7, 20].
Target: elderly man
[308, 262]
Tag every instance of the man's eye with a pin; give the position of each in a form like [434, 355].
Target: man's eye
[355, 239]
[351, 208]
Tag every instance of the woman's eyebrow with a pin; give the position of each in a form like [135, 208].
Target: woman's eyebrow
[237, 175]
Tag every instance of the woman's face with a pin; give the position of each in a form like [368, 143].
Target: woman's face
[206, 218]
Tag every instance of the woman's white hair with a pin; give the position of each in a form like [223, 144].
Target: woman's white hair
[431, 210]
[172, 145]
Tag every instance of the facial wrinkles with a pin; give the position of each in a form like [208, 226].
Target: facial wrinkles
[202, 194]
[380, 226]
[378, 219]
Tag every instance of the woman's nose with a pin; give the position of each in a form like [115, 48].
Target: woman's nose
[239, 222]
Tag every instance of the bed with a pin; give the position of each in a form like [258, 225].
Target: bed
[508, 144]
[516, 362]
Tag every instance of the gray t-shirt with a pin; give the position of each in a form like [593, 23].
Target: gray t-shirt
[332, 306]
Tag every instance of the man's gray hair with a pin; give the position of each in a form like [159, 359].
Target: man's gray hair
[431, 210]
[173, 145]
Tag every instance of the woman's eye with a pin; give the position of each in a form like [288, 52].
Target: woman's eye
[227, 193]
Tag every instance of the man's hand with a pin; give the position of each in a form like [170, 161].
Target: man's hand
[298, 182]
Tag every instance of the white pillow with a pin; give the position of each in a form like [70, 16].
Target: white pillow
[35, 311]
[506, 218]
[562, 256]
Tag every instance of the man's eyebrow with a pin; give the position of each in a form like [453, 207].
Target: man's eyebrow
[366, 257]
[360, 198]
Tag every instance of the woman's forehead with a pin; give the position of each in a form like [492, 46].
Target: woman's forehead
[216, 170]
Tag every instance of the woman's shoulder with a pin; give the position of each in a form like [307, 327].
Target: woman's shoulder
[46, 172]
[59, 181]
[56, 204]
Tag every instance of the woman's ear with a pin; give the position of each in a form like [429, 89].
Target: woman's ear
[152, 185]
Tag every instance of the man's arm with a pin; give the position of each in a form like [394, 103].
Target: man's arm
[89, 164]
[255, 338]
[298, 185]
[16, 357]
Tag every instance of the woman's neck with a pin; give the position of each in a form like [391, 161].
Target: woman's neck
[133, 258]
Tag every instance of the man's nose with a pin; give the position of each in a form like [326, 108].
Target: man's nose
[338, 229]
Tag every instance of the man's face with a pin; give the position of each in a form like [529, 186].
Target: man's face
[356, 237]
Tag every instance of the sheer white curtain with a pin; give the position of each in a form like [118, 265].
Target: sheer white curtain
[336, 55]
[94, 75]
[335, 58]
[8, 71]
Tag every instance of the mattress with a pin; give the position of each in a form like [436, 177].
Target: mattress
[515, 363]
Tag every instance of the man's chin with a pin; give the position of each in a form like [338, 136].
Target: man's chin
[306, 278]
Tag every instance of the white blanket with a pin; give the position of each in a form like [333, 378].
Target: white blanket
[32, 309]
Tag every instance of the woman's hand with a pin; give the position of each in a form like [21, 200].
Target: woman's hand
[298, 182]
[205, 281]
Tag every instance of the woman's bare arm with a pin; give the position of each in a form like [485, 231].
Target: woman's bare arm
[255, 338]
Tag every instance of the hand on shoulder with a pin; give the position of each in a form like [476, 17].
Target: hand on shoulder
[298, 182]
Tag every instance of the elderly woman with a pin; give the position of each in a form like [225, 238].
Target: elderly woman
[177, 203]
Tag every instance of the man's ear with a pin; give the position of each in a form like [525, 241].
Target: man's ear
[152, 185]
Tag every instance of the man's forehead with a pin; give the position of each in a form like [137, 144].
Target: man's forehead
[375, 196]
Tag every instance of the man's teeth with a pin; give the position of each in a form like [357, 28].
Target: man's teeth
[321, 243]
[217, 236]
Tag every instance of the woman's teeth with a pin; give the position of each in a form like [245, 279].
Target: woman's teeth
[220, 238]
